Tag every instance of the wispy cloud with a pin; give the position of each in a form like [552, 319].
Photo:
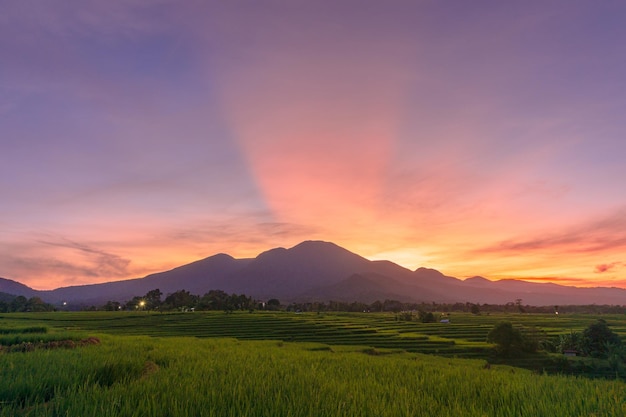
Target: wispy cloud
[578, 282]
[602, 268]
[597, 235]
[101, 263]
[238, 236]
[52, 260]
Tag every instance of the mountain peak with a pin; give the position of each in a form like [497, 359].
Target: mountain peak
[428, 272]
[478, 281]
[321, 247]
[270, 253]
[220, 257]
[316, 245]
[477, 278]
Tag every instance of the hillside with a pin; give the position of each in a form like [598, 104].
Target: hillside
[322, 271]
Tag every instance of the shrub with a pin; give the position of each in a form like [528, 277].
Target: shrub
[506, 338]
[597, 338]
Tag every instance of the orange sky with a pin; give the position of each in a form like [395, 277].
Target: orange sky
[139, 136]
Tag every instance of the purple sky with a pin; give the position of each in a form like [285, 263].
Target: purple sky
[482, 137]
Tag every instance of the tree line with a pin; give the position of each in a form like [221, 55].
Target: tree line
[21, 304]
[395, 306]
[220, 300]
[183, 300]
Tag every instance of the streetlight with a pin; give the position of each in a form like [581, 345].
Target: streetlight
[142, 304]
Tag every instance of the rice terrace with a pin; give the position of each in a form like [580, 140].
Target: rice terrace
[285, 363]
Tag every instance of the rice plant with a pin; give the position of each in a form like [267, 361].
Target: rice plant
[178, 376]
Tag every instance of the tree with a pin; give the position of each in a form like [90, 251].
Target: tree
[134, 303]
[181, 300]
[153, 299]
[597, 337]
[246, 302]
[392, 305]
[506, 337]
[214, 300]
[272, 304]
[426, 317]
[570, 341]
[112, 306]
[376, 306]
[19, 304]
[37, 304]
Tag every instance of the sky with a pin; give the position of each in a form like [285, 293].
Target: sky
[477, 138]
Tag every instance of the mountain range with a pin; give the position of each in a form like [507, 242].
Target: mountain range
[322, 271]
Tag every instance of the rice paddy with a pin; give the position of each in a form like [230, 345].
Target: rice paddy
[286, 364]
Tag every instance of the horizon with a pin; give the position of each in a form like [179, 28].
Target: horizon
[481, 139]
[530, 280]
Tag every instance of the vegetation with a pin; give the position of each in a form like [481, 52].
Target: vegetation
[275, 363]
[183, 300]
[514, 340]
[178, 376]
[598, 338]
[460, 335]
[18, 304]
[506, 338]
[29, 338]
[597, 341]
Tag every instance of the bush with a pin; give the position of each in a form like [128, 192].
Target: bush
[506, 338]
[532, 339]
[597, 338]
[426, 317]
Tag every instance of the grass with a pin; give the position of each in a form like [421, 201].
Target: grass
[178, 376]
[23, 330]
[377, 330]
[281, 364]
[464, 337]
[15, 338]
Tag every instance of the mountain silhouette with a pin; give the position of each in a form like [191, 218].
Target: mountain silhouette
[9, 286]
[322, 271]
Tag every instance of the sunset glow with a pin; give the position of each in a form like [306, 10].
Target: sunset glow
[476, 138]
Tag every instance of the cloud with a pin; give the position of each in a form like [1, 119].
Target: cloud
[99, 263]
[599, 269]
[50, 266]
[577, 282]
[242, 235]
[598, 235]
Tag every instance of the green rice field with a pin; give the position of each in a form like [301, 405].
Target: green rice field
[286, 364]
